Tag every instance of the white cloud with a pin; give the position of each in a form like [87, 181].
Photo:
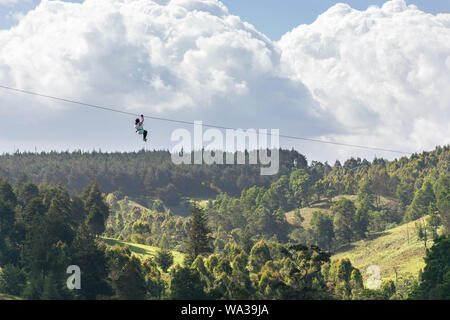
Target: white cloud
[376, 77]
[188, 59]
[383, 73]
[12, 2]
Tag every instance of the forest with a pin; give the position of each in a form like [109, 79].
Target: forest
[216, 232]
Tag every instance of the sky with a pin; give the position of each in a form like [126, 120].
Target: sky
[351, 73]
[268, 16]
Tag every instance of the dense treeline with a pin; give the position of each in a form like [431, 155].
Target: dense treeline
[43, 230]
[152, 173]
[239, 245]
[147, 173]
[416, 188]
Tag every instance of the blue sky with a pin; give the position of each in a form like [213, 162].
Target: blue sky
[272, 17]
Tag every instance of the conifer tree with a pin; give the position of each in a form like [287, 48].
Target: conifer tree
[199, 240]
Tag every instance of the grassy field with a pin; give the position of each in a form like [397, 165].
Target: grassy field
[389, 250]
[307, 213]
[324, 206]
[144, 251]
[183, 209]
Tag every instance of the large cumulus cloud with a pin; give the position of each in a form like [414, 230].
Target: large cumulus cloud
[376, 77]
[384, 73]
[188, 59]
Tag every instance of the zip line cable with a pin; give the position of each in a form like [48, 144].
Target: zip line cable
[192, 123]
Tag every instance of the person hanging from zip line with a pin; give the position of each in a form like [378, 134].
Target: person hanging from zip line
[139, 126]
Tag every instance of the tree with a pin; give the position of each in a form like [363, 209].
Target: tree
[319, 189]
[322, 227]
[388, 288]
[199, 241]
[342, 275]
[422, 199]
[164, 258]
[259, 255]
[46, 251]
[27, 192]
[434, 220]
[90, 257]
[186, 284]
[94, 199]
[12, 280]
[158, 206]
[245, 239]
[155, 285]
[344, 215]
[241, 287]
[356, 283]
[7, 218]
[130, 282]
[366, 193]
[435, 279]
[299, 183]
[95, 221]
[365, 204]
[361, 220]
[78, 210]
[6, 193]
[442, 190]
[422, 234]
[405, 193]
[35, 208]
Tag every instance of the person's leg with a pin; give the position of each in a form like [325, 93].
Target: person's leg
[145, 134]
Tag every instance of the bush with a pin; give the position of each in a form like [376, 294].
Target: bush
[137, 238]
[164, 259]
[12, 280]
[149, 241]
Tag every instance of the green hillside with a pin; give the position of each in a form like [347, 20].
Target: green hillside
[144, 251]
[389, 250]
[325, 206]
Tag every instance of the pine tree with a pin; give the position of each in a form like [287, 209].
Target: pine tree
[186, 284]
[96, 208]
[199, 240]
[90, 257]
[95, 221]
[164, 258]
[7, 216]
[7, 193]
[95, 198]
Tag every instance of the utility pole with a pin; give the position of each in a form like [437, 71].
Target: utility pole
[396, 271]
[407, 231]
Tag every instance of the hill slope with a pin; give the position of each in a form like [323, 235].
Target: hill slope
[325, 207]
[144, 251]
[390, 250]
